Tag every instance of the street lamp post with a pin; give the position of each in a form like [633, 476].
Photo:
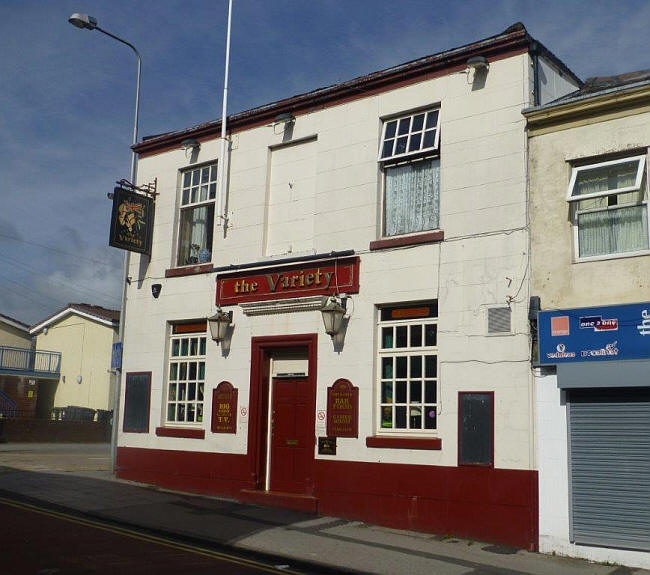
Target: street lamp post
[90, 23]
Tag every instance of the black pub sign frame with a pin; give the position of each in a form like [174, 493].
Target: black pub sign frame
[131, 221]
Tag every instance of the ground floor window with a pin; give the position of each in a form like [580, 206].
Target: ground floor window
[408, 367]
[186, 373]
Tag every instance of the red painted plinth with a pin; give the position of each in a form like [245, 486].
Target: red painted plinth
[495, 505]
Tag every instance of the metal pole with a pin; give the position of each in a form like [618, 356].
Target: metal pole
[125, 274]
[224, 118]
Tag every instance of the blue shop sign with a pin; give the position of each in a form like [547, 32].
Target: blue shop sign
[594, 334]
[116, 356]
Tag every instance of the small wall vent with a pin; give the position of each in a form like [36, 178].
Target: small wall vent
[499, 320]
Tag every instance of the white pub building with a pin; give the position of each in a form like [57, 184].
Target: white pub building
[344, 330]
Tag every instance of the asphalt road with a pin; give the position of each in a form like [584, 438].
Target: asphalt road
[41, 542]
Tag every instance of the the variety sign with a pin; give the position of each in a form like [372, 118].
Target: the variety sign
[594, 334]
[322, 278]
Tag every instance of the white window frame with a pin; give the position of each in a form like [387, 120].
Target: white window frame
[397, 119]
[407, 352]
[182, 207]
[177, 381]
[572, 199]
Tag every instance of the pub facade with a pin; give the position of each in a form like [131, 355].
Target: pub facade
[339, 323]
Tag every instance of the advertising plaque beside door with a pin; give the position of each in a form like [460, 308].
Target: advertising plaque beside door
[342, 409]
[224, 408]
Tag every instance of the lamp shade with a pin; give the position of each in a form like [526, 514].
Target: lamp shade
[333, 313]
[219, 323]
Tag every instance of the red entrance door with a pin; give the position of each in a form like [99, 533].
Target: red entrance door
[292, 434]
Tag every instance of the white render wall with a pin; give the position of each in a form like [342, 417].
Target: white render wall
[552, 441]
[482, 262]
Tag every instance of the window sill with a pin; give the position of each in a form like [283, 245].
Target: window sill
[427, 238]
[611, 257]
[434, 443]
[180, 432]
[189, 270]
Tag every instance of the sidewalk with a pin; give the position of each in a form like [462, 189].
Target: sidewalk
[87, 488]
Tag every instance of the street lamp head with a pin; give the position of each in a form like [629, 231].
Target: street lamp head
[83, 21]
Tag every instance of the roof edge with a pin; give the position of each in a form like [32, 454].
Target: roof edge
[514, 37]
[69, 310]
[14, 323]
[589, 104]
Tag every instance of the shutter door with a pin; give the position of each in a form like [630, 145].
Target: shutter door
[609, 466]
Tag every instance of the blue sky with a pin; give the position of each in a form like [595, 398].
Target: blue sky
[67, 97]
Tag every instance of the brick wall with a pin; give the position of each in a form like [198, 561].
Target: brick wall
[45, 431]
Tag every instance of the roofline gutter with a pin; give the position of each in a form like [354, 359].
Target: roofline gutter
[586, 106]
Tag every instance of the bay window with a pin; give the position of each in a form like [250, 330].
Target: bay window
[609, 209]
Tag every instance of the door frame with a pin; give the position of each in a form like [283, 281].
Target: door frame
[261, 350]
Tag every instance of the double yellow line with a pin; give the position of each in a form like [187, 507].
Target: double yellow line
[148, 538]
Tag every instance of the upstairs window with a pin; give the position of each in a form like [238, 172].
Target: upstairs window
[409, 152]
[609, 208]
[198, 192]
[409, 135]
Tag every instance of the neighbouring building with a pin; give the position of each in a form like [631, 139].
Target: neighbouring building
[591, 272]
[401, 198]
[83, 335]
[23, 371]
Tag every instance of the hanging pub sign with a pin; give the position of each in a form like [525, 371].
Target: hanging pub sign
[342, 409]
[300, 280]
[131, 221]
[224, 408]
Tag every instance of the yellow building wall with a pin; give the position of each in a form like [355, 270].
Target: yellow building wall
[85, 347]
[13, 337]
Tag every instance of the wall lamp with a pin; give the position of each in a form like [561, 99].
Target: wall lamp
[219, 323]
[477, 63]
[190, 144]
[333, 309]
[284, 118]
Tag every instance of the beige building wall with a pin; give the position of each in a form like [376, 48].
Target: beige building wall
[563, 282]
[85, 347]
[13, 336]
[557, 277]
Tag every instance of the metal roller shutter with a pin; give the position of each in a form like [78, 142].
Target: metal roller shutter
[609, 467]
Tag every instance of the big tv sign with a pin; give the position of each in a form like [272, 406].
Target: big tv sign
[594, 334]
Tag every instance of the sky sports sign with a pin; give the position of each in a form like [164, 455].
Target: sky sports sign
[594, 334]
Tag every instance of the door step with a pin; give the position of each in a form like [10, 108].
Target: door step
[306, 503]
